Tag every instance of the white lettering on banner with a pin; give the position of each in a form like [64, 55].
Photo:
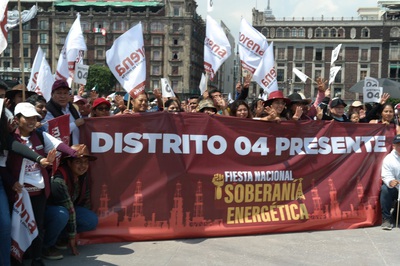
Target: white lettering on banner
[168, 143]
[250, 45]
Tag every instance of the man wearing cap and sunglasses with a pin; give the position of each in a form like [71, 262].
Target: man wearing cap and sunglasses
[60, 104]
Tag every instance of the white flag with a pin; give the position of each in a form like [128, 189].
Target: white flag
[3, 22]
[210, 5]
[127, 60]
[72, 51]
[230, 100]
[216, 47]
[265, 74]
[45, 80]
[335, 54]
[35, 69]
[202, 85]
[300, 75]
[252, 46]
[166, 88]
[333, 73]
[371, 82]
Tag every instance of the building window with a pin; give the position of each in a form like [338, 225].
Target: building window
[363, 74]
[318, 33]
[119, 26]
[341, 33]
[26, 52]
[176, 27]
[175, 70]
[302, 33]
[333, 33]
[7, 51]
[326, 33]
[155, 70]
[85, 26]
[294, 32]
[156, 41]
[395, 70]
[337, 92]
[265, 32]
[317, 73]
[99, 54]
[394, 51]
[175, 41]
[27, 65]
[26, 25]
[299, 54]
[279, 33]
[6, 64]
[318, 54]
[9, 38]
[43, 25]
[44, 49]
[25, 37]
[62, 26]
[280, 75]
[286, 33]
[174, 85]
[365, 33]
[100, 40]
[175, 56]
[364, 55]
[338, 77]
[156, 27]
[43, 38]
[156, 84]
[61, 39]
[177, 11]
[156, 55]
[281, 54]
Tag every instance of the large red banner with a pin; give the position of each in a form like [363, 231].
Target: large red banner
[166, 176]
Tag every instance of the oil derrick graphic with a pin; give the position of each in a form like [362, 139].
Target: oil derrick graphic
[198, 204]
[176, 219]
[137, 212]
[334, 204]
[104, 199]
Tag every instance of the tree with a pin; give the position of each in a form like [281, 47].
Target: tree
[102, 77]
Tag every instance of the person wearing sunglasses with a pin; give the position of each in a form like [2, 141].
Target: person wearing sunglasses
[100, 107]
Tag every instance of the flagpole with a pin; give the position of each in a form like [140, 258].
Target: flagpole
[21, 49]
[207, 83]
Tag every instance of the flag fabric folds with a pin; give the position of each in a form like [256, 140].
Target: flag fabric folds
[216, 47]
[300, 75]
[166, 88]
[35, 69]
[202, 85]
[332, 74]
[45, 80]
[3, 22]
[252, 46]
[72, 51]
[265, 74]
[127, 60]
[335, 54]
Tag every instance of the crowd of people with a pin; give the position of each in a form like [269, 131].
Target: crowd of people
[61, 204]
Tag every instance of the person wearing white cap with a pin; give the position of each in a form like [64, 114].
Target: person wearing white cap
[35, 178]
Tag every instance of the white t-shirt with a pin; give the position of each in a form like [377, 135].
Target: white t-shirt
[390, 167]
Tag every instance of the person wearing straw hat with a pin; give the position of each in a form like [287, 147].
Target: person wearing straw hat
[68, 211]
[278, 103]
[15, 96]
[390, 174]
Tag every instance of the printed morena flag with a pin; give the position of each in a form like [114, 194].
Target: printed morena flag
[252, 46]
[216, 47]
[335, 54]
[127, 60]
[300, 75]
[265, 74]
[332, 74]
[72, 51]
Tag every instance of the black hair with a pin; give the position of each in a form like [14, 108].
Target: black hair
[33, 99]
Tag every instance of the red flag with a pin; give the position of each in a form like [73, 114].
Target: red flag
[59, 128]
